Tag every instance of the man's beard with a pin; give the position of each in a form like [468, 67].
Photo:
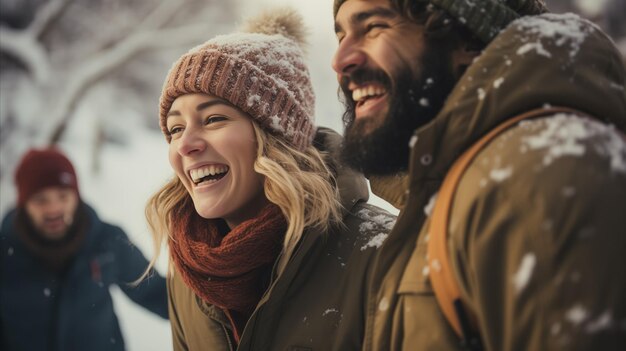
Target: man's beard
[413, 102]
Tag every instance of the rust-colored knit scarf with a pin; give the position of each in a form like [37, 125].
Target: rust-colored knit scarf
[226, 270]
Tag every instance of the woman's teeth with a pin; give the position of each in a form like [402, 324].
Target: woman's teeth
[212, 172]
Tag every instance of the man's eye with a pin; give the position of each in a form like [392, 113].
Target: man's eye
[375, 25]
[214, 119]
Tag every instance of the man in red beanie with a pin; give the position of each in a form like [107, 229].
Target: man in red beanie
[57, 261]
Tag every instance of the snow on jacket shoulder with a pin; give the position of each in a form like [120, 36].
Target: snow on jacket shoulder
[42, 311]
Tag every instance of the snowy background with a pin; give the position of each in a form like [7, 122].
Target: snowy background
[88, 74]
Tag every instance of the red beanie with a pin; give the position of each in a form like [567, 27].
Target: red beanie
[42, 168]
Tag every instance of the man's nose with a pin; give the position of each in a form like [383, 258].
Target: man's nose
[348, 57]
[53, 207]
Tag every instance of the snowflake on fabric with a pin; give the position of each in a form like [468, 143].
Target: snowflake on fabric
[553, 30]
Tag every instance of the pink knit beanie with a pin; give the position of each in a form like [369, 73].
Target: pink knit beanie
[261, 71]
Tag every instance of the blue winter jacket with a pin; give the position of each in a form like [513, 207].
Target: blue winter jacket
[73, 312]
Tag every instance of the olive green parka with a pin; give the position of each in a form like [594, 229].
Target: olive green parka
[537, 236]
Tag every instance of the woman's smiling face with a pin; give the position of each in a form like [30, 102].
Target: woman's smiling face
[212, 151]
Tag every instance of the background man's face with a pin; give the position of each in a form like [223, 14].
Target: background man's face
[394, 81]
[52, 210]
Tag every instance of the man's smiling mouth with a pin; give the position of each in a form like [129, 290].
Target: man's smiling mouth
[361, 94]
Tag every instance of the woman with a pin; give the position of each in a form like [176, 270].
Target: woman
[269, 246]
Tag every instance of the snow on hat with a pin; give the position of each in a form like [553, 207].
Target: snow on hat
[260, 70]
[43, 168]
[484, 18]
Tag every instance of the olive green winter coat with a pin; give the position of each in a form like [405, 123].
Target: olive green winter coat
[317, 303]
[537, 236]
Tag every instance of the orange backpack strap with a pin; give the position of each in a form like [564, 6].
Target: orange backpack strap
[459, 316]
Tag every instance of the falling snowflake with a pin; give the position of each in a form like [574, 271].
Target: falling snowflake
[524, 272]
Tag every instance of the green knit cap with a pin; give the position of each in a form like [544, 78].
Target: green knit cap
[485, 18]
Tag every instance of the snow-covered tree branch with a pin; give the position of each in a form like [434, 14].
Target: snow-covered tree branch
[59, 50]
[27, 50]
[107, 61]
[46, 16]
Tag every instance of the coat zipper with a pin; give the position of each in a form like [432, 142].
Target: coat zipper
[229, 337]
[54, 330]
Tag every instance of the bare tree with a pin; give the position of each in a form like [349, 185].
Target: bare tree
[51, 61]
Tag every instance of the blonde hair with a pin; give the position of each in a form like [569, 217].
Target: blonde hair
[299, 182]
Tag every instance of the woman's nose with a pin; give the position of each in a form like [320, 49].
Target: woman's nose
[191, 142]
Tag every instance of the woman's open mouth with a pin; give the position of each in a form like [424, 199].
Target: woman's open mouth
[208, 174]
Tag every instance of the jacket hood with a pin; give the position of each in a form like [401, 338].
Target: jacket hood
[538, 61]
[352, 185]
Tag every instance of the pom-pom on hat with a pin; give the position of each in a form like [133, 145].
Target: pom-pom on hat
[260, 70]
[43, 168]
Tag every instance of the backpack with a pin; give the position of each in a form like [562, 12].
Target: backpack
[458, 313]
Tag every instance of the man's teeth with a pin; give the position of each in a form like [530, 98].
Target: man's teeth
[199, 173]
[365, 92]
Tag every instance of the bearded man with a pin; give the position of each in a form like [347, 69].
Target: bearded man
[536, 237]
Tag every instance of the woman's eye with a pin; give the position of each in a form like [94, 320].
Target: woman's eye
[214, 119]
[175, 130]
